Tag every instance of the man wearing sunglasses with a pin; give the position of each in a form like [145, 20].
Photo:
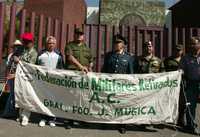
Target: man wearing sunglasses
[29, 56]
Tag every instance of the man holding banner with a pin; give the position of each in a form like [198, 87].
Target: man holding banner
[148, 62]
[99, 97]
[29, 56]
[119, 62]
[190, 64]
[52, 60]
[78, 54]
[172, 63]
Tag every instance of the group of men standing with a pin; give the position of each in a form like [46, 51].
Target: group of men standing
[119, 61]
[79, 57]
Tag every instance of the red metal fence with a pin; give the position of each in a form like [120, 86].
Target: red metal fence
[181, 35]
[98, 37]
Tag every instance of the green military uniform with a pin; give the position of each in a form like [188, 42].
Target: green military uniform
[81, 52]
[150, 64]
[171, 64]
[29, 56]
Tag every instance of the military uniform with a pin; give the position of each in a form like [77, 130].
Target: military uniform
[171, 64]
[191, 67]
[150, 64]
[29, 56]
[118, 63]
[81, 52]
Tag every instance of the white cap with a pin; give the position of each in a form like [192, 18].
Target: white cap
[17, 42]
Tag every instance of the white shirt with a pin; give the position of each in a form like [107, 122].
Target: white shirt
[49, 59]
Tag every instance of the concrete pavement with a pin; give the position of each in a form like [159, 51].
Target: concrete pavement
[11, 128]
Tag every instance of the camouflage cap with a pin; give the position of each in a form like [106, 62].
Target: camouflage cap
[194, 40]
[179, 47]
[78, 31]
[147, 43]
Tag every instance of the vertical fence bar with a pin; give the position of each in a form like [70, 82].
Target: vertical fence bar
[115, 30]
[190, 32]
[63, 38]
[98, 59]
[161, 44]
[130, 39]
[167, 47]
[57, 30]
[137, 37]
[67, 33]
[145, 35]
[90, 35]
[184, 41]
[71, 32]
[22, 22]
[49, 26]
[198, 32]
[153, 38]
[32, 25]
[2, 7]
[55, 33]
[40, 36]
[107, 32]
[122, 28]
[12, 25]
[176, 36]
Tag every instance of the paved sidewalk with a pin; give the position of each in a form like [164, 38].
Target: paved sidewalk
[11, 128]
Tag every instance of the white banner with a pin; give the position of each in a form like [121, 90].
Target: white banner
[99, 97]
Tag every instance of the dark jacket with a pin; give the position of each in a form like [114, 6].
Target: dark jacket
[118, 63]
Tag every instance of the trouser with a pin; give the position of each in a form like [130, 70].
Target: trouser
[47, 118]
[182, 104]
[24, 114]
[10, 104]
[192, 92]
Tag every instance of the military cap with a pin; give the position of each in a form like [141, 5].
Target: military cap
[147, 43]
[194, 40]
[179, 47]
[78, 31]
[119, 39]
